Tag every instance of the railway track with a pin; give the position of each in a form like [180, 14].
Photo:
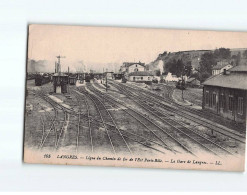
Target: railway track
[216, 118]
[197, 137]
[145, 122]
[117, 140]
[81, 122]
[183, 112]
[160, 132]
[183, 131]
[51, 136]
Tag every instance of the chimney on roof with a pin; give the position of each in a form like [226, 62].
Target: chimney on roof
[226, 72]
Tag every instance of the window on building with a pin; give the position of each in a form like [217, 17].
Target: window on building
[136, 65]
[134, 78]
[210, 100]
[141, 78]
[222, 101]
[148, 78]
[207, 97]
[231, 103]
[214, 100]
[240, 105]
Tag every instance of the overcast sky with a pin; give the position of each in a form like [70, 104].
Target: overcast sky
[100, 47]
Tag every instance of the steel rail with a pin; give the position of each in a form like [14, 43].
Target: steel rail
[145, 107]
[157, 100]
[157, 126]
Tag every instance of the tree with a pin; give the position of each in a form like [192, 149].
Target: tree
[245, 54]
[188, 68]
[204, 76]
[157, 72]
[207, 62]
[171, 66]
[180, 68]
[164, 53]
[222, 53]
[238, 58]
[195, 75]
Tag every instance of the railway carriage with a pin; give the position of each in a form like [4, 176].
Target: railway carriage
[72, 80]
[42, 79]
[81, 77]
[118, 76]
[89, 77]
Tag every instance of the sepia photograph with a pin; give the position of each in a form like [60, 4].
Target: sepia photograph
[135, 97]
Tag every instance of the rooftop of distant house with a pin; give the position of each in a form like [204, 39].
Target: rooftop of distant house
[127, 64]
[221, 65]
[191, 79]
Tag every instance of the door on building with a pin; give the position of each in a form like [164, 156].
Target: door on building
[58, 89]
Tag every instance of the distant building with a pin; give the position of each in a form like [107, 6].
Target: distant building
[219, 68]
[129, 67]
[141, 76]
[170, 78]
[193, 82]
[226, 94]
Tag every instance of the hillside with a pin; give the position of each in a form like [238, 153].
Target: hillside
[192, 57]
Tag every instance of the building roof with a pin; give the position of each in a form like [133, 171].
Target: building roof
[190, 79]
[234, 81]
[220, 66]
[141, 73]
[128, 64]
[240, 68]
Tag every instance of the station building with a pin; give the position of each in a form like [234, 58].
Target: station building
[141, 76]
[129, 67]
[226, 94]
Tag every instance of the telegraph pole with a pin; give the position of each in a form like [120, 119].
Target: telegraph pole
[106, 79]
[183, 82]
[182, 88]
